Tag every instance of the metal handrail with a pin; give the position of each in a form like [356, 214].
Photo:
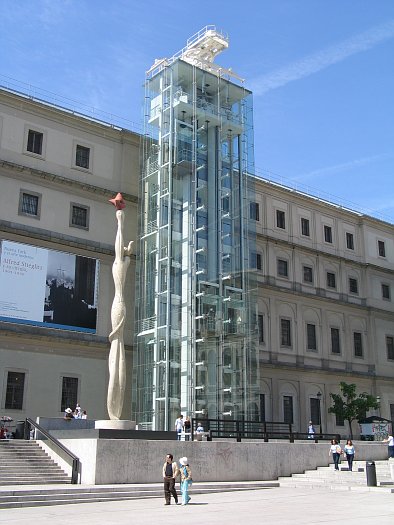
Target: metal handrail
[241, 429]
[75, 460]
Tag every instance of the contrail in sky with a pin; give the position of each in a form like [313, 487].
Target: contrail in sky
[339, 168]
[321, 59]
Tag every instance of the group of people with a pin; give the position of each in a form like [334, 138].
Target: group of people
[171, 471]
[348, 452]
[184, 426]
[78, 413]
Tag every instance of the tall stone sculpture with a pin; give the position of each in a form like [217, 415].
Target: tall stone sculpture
[117, 362]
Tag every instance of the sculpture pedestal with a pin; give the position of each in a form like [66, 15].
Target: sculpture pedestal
[115, 424]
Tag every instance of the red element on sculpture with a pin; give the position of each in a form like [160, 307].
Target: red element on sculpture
[118, 202]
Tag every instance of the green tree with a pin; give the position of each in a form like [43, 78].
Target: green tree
[351, 407]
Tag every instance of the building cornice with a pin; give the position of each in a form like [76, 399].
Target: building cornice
[271, 187]
[57, 180]
[50, 236]
[44, 339]
[277, 365]
[334, 301]
[67, 116]
[317, 253]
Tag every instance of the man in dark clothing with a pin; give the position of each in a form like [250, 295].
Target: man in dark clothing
[170, 473]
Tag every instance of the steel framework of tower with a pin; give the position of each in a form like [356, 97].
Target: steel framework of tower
[196, 322]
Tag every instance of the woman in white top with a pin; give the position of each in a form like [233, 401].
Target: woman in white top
[349, 453]
[336, 452]
[390, 442]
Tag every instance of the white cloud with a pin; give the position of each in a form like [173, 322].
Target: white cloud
[344, 166]
[321, 59]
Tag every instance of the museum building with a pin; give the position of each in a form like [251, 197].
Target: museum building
[246, 299]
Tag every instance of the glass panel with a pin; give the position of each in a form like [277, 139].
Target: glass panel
[79, 216]
[34, 142]
[335, 344]
[69, 393]
[315, 411]
[288, 409]
[311, 336]
[82, 157]
[30, 204]
[15, 390]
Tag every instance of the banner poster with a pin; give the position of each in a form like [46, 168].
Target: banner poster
[47, 288]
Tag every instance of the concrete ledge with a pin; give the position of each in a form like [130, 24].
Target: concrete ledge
[59, 423]
[112, 461]
[115, 424]
[108, 433]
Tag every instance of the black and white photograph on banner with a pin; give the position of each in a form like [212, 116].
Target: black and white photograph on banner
[47, 287]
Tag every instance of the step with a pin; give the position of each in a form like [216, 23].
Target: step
[59, 496]
[4, 444]
[22, 461]
[97, 499]
[27, 479]
[26, 463]
[35, 470]
[50, 474]
[23, 454]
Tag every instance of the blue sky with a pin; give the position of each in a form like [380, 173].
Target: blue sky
[322, 73]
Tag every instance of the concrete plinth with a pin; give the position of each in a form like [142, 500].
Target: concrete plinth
[115, 424]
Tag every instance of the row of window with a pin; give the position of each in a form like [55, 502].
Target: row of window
[35, 145]
[315, 410]
[15, 391]
[30, 206]
[308, 277]
[311, 338]
[305, 229]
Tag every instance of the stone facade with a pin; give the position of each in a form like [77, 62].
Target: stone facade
[326, 280]
[50, 174]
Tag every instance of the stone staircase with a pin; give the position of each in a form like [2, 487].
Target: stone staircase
[26, 463]
[12, 497]
[329, 479]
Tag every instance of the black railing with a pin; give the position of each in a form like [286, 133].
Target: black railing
[65, 454]
[241, 429]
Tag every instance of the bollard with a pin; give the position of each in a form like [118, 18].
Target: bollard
[370, 470]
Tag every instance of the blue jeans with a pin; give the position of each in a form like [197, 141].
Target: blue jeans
[185, 492]
[350, 458]
[336, 457]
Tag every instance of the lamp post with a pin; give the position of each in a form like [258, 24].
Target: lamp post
[378, 401]
[318, 395]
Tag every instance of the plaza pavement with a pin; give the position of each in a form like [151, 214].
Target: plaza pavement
[278, 506]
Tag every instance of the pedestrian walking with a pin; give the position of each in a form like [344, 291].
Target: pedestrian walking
[186, 480]
[170, 473]
[390, 442]
[179, 426]
[349, 451]
[187, 427]
[336, 452]
[311, 430]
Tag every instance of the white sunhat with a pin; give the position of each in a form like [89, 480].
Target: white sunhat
[68, 410]
[183, 461]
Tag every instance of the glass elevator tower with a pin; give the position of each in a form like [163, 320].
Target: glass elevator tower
[196, 322]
